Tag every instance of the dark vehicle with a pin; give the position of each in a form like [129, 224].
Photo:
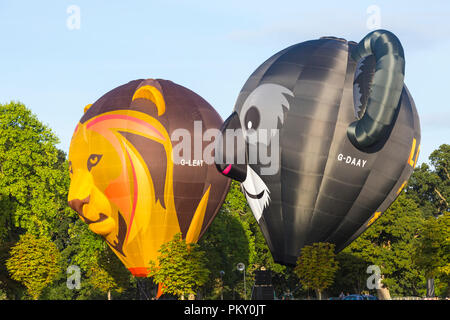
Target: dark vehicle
[360, 297]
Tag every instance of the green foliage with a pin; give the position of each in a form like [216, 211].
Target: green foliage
[33, 179]
[389, 243]
[181, 267]
[351, 276]
[102, 271]
[429, 186]
[85, 246]
[407, 241]
[13, 289]
[440, 160]
[3, 295]
[432, 251]
[34, 182]
[227, 242]
[316, 266]
[108, 274]
[234, 237]
[34, 262]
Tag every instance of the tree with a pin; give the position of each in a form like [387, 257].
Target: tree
[401, 241]
[351, 276]
[34, 183]
[108, 274]
[34, 262]
[429, 186]
[440, 160]
[389, 243]
[234, 237]
[316, 266]
[33, 174]
[181, 267]
[432, 251]
[227, 242]
[103, 271]
[3, 295]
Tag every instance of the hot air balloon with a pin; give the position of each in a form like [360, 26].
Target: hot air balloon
[325, 136]
[133, 181]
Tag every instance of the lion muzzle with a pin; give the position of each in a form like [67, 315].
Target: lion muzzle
[77, 204]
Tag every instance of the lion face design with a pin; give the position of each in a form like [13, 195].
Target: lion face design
[88, 195]
[124, 182]
[115, 190]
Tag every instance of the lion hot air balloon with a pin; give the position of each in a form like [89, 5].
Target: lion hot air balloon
[329, 135]
[131, 182]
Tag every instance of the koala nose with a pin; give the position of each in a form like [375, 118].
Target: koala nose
[77, 204]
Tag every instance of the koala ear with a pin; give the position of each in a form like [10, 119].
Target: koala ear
[151, 93]
[385, 90]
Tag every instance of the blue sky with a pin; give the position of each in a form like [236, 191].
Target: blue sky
[210, 47]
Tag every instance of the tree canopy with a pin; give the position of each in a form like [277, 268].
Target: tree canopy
[181, 267]
[388, 244]
[34, 262]
[34, 183]
[409, 242]
[316, 266]
[33, 179]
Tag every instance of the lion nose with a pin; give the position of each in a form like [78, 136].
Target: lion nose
[77, 204]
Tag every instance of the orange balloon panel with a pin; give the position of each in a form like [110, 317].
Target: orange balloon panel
[140, 171]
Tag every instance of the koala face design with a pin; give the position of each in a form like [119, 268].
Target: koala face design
[344, 140]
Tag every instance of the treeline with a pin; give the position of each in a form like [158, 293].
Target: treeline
[44, 246]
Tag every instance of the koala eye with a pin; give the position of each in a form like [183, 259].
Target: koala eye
[93, 160]
[252, 118]
[263, 111]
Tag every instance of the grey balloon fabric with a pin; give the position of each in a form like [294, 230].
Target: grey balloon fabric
[330, 182]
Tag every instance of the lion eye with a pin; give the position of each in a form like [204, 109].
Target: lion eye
[93, 160]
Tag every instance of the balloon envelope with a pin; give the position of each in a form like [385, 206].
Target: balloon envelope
[340, 140]
[137, 171]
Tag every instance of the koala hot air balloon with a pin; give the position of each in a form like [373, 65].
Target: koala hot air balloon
[325, 135]
[125, 183]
